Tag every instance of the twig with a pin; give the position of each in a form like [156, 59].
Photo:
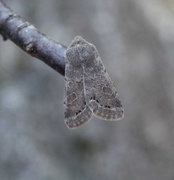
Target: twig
[28, 38]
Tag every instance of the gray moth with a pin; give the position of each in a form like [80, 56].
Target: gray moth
[88, 88]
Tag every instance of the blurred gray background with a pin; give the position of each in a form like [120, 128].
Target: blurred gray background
[135, 39]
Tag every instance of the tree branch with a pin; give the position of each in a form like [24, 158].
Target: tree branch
[28, 38]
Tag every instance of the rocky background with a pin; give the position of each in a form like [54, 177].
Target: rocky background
[135, 39]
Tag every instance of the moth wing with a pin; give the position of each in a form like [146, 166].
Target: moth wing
[101, 95]
[76, 110]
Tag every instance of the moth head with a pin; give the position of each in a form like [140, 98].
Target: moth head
[77, 41]
[80, 52]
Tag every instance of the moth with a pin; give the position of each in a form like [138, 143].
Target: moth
[88, 88]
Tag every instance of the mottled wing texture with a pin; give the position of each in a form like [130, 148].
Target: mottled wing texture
[77, 112]
[89, 89]
[101, 95]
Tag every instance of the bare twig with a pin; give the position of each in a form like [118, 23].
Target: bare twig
[28, 38]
